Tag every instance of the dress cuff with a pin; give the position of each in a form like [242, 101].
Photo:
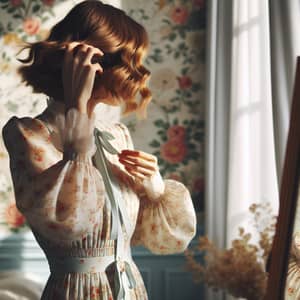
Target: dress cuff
[74, 134]
[154, 186]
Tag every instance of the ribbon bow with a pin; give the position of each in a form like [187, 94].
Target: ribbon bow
[104, 138]
[122, 269]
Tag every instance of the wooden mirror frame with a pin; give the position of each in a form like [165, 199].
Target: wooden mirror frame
[288, 201]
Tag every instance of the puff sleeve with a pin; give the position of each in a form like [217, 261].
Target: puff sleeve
[56, 186]
[166, 220]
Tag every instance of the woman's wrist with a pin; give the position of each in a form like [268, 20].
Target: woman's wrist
[81, 108]
[154, 186]
[75, 134]
[87, 108]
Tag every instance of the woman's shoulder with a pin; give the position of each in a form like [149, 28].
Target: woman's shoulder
[26, 126]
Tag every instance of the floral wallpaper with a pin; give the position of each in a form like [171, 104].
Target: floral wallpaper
[174, 128]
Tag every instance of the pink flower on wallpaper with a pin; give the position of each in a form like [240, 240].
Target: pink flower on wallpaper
[199, 3]
[31, 26]
[176, 132]
[179, 15]
[13, 217]
[48, 2]
[184, 82]
[173, 151]
[198, 185]
[16, 2]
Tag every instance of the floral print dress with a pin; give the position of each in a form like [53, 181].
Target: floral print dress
[63, 197]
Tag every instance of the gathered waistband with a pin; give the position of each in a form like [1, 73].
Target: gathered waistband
[63, 265]
[93, 260]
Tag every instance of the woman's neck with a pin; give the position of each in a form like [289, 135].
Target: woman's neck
[63, 107]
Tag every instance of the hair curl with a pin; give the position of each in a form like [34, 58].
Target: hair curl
[103, 26]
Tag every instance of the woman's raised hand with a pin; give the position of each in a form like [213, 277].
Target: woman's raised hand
[78, 74]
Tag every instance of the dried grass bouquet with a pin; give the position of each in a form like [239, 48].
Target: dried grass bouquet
[241, 269]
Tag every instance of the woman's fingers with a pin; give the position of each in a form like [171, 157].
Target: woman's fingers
[134, 154]
[90, 52]
[140, 170]
[79, 74]
[80, 54]
[85, 54]
[83, 57]
[135, 173]
[139, 162]
[69, 56]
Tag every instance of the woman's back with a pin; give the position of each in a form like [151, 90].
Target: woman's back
[65, 202]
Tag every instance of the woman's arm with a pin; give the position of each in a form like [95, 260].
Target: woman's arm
[61, 199]
[167, 220]
[60, 194]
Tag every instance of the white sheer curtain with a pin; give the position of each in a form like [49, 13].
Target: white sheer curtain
[251, 170]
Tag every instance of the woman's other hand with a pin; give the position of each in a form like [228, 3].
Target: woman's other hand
[78, 74]
[144, 168]
[139, 164]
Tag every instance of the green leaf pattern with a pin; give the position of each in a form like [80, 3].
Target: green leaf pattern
[174, 129]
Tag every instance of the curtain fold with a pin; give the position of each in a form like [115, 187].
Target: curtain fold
[219, 27]
[251, 174]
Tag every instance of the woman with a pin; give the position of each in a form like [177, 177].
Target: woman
[86, 194]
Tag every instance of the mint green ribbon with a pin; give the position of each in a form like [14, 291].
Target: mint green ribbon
[102, 141]
[105, 137]
[118, 210]
[112, 187]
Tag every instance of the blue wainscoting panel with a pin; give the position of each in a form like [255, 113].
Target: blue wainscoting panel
[169, 278]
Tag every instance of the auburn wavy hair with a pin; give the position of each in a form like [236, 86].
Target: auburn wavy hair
[103, 26]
